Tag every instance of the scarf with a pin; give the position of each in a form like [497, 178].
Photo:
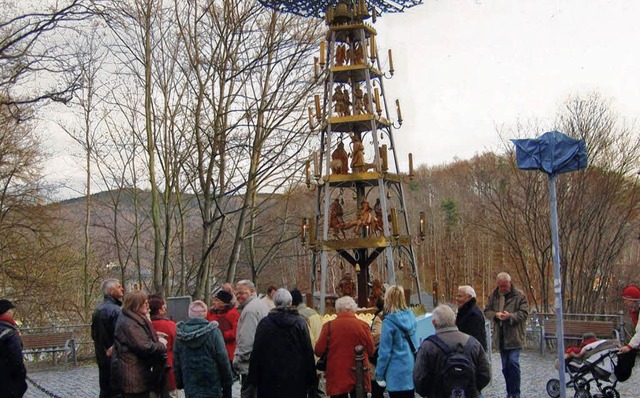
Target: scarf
[8, 319]
[151, 331]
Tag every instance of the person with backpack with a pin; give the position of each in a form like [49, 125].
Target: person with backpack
[450, 363]
[398, 343]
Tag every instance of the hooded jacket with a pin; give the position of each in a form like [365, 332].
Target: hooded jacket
[201, 365]
[395, 357]
[508, 334]
[282, 348]
[12, 370]
[470, 320]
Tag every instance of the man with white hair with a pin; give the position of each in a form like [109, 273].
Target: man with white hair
[508, 309]
[252, 310]
[103, 327]
[340, 337]
[470, 319]
[432, 374]
[282, 348]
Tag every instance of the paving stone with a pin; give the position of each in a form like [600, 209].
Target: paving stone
[82, 382]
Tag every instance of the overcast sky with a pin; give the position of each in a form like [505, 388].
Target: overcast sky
[465, 66]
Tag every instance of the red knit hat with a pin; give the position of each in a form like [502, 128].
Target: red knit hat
[631, 292]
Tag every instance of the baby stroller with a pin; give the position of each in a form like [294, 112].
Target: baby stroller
[596, 366]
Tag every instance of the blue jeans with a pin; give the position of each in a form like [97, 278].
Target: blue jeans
[511, 371]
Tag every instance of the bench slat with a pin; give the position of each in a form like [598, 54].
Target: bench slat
[574, 328]
[46, 340]
[50, 343]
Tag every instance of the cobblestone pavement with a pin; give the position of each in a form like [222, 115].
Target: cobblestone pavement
[82, 382]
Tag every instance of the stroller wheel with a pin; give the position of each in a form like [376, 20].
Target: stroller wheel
[610, 392]
[553, 388]
[582, 393]
[581, 384]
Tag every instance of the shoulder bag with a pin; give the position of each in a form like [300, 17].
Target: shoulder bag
[321, 365]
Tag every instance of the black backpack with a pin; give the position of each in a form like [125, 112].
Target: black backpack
[457, 378]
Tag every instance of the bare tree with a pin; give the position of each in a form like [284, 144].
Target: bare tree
[30, 49]
[248, 83]
[84, 128]
[597, 207]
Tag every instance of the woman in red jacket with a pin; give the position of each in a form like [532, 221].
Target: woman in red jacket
[166, 328]
[225, 313]
[340, 337]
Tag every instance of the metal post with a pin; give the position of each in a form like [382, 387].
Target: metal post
[361, 392]
[622, 332]
[557, 282]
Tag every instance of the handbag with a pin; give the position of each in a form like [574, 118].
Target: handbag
[374, 358]
[321, 365]
[625, 365]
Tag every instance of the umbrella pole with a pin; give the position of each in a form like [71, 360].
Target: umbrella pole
[557, 282]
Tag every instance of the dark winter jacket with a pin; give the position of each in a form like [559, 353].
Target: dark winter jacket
[138, 358]
[511, 333]
[282, 362]
[470, 320]
[431, 360]
[201, 364]
[12, 370]
[103, 326]
[395, 356]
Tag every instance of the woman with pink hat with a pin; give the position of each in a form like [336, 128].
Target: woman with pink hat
[631, 296]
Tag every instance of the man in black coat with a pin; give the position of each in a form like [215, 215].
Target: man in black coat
[13, 373]
[103, 326]
[282, 363]
[470, 319]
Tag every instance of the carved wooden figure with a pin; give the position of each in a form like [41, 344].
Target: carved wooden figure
[340, 160]
[337, 101]
[357, 154]
[358, 54]
[341, 55]
[358, 106]
[346, 286]
[336, 220]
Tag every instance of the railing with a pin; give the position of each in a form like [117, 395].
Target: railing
[81, 334]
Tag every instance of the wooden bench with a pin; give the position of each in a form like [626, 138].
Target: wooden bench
[52, 342]
[575, 329]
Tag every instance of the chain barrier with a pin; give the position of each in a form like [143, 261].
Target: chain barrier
[44, 390]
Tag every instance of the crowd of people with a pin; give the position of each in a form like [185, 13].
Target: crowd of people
[272, 345]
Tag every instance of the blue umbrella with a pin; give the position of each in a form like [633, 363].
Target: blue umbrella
[553, 153]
